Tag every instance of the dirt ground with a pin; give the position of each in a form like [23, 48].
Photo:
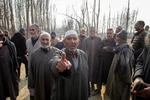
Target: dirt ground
[24, 93]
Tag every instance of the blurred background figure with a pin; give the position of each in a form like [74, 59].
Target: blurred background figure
[82, 36]
[20, 42]
[138, 38]
[107, 54]
[147, 28]
[54, 39]
[8, 69]
[7, 35]
[92, 48]
[118, 29]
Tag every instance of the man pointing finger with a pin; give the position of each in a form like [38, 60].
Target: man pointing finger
[70, 67]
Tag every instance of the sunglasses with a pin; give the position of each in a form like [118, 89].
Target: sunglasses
[32, 29]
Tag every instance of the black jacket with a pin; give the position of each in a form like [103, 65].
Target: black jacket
[138, 42]
[20, 42]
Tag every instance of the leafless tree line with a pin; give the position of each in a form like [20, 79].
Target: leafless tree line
[21, 13]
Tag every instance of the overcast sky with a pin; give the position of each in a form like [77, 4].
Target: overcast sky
[116, 6]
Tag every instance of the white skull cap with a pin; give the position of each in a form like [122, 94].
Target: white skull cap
[70, 32]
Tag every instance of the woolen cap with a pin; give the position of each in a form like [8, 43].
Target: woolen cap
[123, 35]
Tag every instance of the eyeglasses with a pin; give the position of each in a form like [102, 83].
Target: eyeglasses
[32, 29]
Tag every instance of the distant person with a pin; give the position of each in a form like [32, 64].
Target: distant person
[6, 34]
[82, 36]
[119, 78]
[138, 38]
[8, 69]
[92, 48]
[147, 28]
[54, 39]
[70, 69]
[60, 45]
[142, 73]
[20, 42]
[40, 79]
[106, 54]
[118, 29]
[32, 44]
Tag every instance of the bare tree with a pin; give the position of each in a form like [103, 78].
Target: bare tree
[93, 14]
[27, 16]
[128, 12]
[109, 17]
[12, 17]
[98, 14]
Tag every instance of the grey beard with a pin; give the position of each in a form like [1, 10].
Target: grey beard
[45, 46]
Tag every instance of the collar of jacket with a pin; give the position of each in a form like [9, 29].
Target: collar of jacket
[72, 54]
[120, 47]
[46, 49]
[139, 32]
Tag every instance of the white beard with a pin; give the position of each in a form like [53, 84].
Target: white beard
[44, 46]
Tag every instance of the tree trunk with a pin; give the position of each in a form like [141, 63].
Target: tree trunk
[12, 17]
[128, 12]
[98, 15]
[32, 16]
[27, 17]
[47, 15]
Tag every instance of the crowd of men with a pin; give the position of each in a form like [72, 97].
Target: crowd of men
[77, 67]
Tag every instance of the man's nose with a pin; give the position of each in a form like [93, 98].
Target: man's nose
[72, 40]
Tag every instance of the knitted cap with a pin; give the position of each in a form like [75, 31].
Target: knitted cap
[123, 35]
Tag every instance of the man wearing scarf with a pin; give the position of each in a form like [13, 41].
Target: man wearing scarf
[119, 77]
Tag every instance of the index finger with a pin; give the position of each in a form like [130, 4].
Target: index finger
[63, 56]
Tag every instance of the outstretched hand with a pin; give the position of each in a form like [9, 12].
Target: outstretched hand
[63, 63]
